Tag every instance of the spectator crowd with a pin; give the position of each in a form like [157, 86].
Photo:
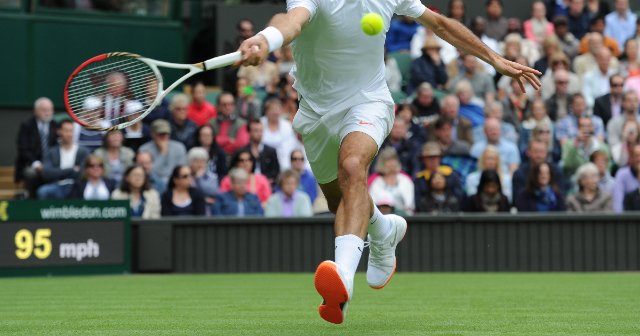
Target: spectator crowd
[465, 138]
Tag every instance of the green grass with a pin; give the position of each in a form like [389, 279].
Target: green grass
[286, 304]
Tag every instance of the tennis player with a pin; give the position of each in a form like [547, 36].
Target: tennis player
[345, 113]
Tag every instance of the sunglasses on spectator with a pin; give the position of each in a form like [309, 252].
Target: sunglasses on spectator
[184, 176]
[562, 82]
[544, 131]
[94, 165]
[617, 84]
[297, 159]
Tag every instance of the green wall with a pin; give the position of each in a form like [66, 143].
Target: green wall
[40, 51]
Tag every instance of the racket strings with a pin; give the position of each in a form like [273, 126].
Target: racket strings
[106, 92]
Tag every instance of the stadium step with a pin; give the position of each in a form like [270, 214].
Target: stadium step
[8, 189]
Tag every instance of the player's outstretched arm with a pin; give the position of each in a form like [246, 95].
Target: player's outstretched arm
[283, 28]
[462, 38]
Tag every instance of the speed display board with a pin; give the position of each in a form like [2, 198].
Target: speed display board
[64, 237]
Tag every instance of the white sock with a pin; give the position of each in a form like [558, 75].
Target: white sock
[379, 225]
[348, 252]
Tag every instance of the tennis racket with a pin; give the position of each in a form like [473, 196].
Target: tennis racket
[116, 90]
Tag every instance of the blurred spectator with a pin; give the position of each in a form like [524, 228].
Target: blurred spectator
[161, 111]
[537, 117]
[137, 134]
[405, 149]
[559, 103]
[621, 22]
[557, 8]
[238, 201]
[230, 130]
[598, 26]
[559, 62]
[496, 23]
[515, 46]
[544, 132]
[165, 153]
[456, 11]
[289, 201]
[537, 27]
[470, 106]
[278, 132]
[630, 66]
[567, 42]
[256, 183]
[620, 151]
[200, 111]
[145, 160]
[385, 203]
[478, 27]
[289, 98]
[490, 197]
[217, 164]
[415, 133]
[92, 184]
[606, 182]
[393, 181]
[431, 156]
[438, 197]
[245, 29]
[615, 127]
[576, 150]
[392, 74]
[92, 139]
[632, 201]
[589, 197]
[567, 127]
[507, 149]
[115, 156]
[284, 59]
[516, 104]
[401, 30]
[264, 156]
[448, 52]
[444, 137]
[537, 153]
[610, 105]
[428, 68]
[203, 180]
[425, 103]
[541, 193]
[182, 129]
[61, 164]
[308, 182]
[550, 46]
[482, 84]
[596, 82]
[597, 8]
[578, 18]
[35, 136]
[248, 105]
[586, 62]
[135, 187]
[260, 76]
[462, 127]
[626, 179]
[181, 199]
[489, 160]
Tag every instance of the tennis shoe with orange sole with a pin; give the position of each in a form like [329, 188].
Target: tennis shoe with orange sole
[335, 290]
[382, 254]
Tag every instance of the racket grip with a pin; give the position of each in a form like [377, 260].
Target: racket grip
[221, 61]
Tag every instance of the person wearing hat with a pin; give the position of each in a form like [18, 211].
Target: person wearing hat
[429, 67]
[431, 157]
[166, 153]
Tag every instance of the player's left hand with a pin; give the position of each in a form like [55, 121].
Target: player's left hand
[254, 50]
[520, 72]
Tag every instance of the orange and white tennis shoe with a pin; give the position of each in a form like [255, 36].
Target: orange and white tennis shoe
[382, 254]
[335, 289]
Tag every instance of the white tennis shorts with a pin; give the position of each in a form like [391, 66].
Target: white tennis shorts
[323, 134]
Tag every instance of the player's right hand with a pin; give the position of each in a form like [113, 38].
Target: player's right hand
[254, 50]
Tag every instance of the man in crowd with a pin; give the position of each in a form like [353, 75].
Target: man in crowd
[165, 152]
[230, 130]
[266, 157]
[182, 128]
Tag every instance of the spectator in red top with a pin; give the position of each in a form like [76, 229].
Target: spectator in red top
[200, 110]
[231, 131]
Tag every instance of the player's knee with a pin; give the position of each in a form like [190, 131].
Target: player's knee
[353, 167]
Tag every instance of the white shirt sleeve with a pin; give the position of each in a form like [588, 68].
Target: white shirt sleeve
[311, 5]
[412, 8]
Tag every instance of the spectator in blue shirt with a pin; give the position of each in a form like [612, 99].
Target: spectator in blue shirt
[507, 149]
[621, 23]
[626, 179]
[238, 202]
[308, 182]
[567, 127]
[401, 30]
[470, 106]
[428, 68]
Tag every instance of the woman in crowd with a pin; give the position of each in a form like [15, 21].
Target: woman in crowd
[238, 201]
[93, 185]
[538, 27]
[559, 61]
[135, 186]
[181, 199]
[256, 183]
[439, 198]
[589, 197]
[489, 197]
[200, 111]
[541, 193]
[539, 126]
[115, 156]
[289, 201]
[630, 65]
[203, 179]
[393, 181]
[606, 182]
[217, 164]
[456, 11]
[278, 132]
[489, 160]
[630, 137]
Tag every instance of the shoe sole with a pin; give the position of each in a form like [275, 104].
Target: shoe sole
[330, 286]
[406, 227]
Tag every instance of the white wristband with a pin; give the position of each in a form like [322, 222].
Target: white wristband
[274, 37]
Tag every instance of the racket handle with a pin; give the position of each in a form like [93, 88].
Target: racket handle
[221, 61]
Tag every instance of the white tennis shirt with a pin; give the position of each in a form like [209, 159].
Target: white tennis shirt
[337, 65]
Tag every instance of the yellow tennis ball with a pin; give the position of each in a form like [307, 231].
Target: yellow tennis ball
[372, 24]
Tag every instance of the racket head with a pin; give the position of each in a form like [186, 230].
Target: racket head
[112, 91]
